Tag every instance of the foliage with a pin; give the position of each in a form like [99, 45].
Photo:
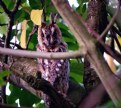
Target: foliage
[3, 74]
[24, 14]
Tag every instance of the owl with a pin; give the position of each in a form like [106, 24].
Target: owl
[54, 71]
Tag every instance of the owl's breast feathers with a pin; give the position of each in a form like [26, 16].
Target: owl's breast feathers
[55, 71]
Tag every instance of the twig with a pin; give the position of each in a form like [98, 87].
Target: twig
[112, 44]
[11, 22]
[111, 22]
[116, 30]
[16, 34]
[25, 9]
[117, 41]
[3, 24]
[116, 55]
[43, 7]
[30, 35]
[15, 9]
[47, 55]
[18, 46]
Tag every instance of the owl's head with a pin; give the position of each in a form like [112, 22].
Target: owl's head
[49, 35]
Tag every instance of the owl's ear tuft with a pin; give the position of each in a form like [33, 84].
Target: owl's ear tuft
[54, 17]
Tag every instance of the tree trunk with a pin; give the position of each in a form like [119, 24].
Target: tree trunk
[97, 20]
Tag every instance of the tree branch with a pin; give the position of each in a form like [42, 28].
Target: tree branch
[111, 22]
[43, 85]
[94, 98]
[5, 8]
[47, 55]
[29, 66]
[76, 25]
[35, 27]
[107, 48]
[15, 9]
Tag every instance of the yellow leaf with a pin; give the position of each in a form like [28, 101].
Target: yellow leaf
[111, 63]
[36, 16]
[23, 34]
[116, 46]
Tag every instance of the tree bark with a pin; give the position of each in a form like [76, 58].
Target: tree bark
[97, 20]
[76, 25]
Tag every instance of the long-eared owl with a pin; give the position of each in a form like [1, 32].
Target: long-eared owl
[54, 71]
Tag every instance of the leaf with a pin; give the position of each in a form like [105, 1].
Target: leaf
[35, 4]
[21, 15]
[25, 98]
[2, 82]
[4, 73]
[9, 4]
[3, 30]
[23, 34]
[76, 70]
[3, 18]
[36, 16]
[111, 63]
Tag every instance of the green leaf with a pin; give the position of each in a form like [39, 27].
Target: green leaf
[83, 8]
[40, 105]
[3, 30]
[4, 73]
[2, 82]
[1, 10]
[110, 105]
[35, 4]
[25, 98]
[72, 46]
[67, 39]
[62, 26]
[76, 70]
[21, 15]
[3, 18]
[9, 4]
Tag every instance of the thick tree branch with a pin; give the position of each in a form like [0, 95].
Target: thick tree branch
[43, 85]
[29, 66]
[76, 25]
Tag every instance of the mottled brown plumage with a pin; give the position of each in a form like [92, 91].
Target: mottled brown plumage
[54, 71]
